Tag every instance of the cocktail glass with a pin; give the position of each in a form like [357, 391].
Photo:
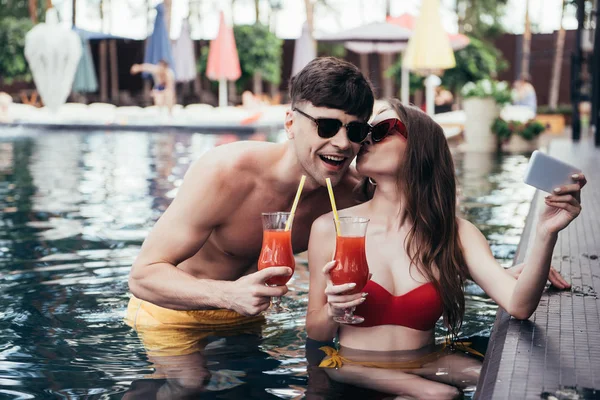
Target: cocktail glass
[351, 260]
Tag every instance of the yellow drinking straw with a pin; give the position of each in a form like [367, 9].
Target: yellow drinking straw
[296, 200]
[333, 207]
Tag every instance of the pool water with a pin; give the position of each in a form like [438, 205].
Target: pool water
[74, 210]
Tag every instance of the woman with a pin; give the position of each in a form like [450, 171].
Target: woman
[419, 253]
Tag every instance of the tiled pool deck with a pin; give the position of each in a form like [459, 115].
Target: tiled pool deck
[556, 353]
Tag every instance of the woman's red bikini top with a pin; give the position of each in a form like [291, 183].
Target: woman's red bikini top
[418, 309]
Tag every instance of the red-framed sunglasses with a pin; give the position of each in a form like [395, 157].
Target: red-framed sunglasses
[391, 125]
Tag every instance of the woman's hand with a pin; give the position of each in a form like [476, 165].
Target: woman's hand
[563, 206]
[337, 301]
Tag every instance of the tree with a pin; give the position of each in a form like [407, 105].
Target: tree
[35, 10]
[479, 60]
[481, 18]
[557, 64]
[526, 49]
[260, 52]
[13, 66]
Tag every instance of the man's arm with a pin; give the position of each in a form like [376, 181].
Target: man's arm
[205, 198]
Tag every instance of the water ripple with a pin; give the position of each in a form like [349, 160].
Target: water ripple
[74, 210]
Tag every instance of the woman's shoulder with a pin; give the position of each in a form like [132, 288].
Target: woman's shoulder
[324, 225]
[469, 233]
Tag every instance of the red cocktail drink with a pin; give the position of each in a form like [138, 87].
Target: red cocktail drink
[352, 264]
[277, 252]
[351, 258]
[277, 249]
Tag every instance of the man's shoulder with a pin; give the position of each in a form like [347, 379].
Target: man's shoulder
[243, 154]
[234, 162]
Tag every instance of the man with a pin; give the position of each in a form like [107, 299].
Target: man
[202, 253]
[198, 266]
[163, 91]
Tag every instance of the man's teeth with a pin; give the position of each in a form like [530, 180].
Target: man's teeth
[334, 158]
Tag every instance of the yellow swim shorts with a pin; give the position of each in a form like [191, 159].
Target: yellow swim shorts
[166, 332]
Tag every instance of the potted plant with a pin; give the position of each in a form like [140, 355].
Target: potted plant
[482, 101]
[555, 118]
[515, 136]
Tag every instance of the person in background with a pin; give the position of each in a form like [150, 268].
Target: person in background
[443, 100]
[163, 91]
[524, 93]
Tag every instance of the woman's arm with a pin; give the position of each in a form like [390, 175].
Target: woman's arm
[325, 300]
[520, 297]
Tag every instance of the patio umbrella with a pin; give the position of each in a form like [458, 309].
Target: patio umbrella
[372, 33]
[85, 76]
[158, 46]
[457, 41]
[304, 50]
[429, 48]
[375, 37]
[223, 62]
[53, 53]
[183, 54]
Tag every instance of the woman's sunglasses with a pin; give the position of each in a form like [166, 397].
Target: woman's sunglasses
[329, 127]
[380, 130]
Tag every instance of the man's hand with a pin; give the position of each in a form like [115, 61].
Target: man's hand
[554, 276]
[249, 295]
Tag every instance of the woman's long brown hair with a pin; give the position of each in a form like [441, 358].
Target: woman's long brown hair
[430, 193]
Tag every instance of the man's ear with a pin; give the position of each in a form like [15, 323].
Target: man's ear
[289, 124]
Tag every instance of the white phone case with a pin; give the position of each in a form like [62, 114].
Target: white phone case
[546, 173]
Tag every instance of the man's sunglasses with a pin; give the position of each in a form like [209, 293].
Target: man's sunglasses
[329, 127]
[380, 130]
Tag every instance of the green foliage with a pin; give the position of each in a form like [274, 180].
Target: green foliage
[202, 60]
[501, 129]
[481, 18]
[20, 9]
[259, 51]
[331, 49]
[531, 130]
[13, 66]
[528, 131]
[416, 82]
[479, 60]
[563, 109]
[486, 88]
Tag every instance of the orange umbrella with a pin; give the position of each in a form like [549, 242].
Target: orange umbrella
[223, 62]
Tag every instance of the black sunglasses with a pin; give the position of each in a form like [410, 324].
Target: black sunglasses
[380, 130]
[329, 127]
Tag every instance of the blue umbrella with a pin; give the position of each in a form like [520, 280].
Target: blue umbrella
[158, 46]
[85, 77]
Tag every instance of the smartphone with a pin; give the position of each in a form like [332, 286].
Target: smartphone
[546, 173]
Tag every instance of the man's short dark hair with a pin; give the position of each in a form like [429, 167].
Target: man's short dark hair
[164, 63]
[333, 83]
